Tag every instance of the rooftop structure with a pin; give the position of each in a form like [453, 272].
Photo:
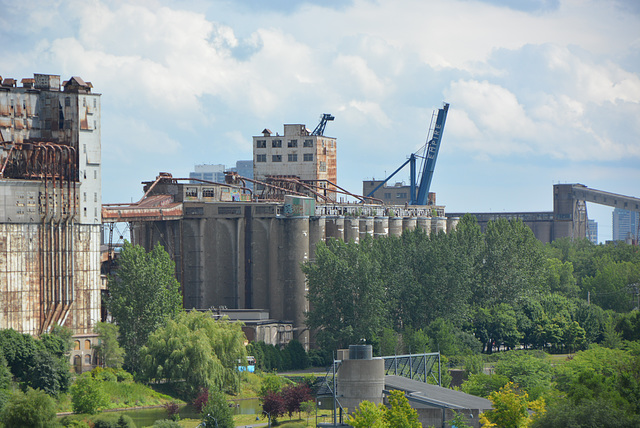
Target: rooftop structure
[297, 154]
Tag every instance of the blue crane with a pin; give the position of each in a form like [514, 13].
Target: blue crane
[323, 123]
[430, 155]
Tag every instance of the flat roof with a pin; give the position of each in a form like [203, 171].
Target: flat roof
[434, 395]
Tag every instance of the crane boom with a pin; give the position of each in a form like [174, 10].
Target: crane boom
[431, 156]
[323, 123]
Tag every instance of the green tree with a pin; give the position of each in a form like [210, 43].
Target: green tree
[308, 408]
[31, 409]
[87, 395]
[217, 410]
[144, 294]
[39, 364]
[481, 384]
[512, 263]
[496, 326]
[558, 278]
[530, 373]
[5, 382]
[414, 341]
[602, 374]
[368, 415]
[459, 421]
[511, 409]
[48, 372]
[562, 413]
[346, 293]
[197, 349]
[400, 414]
[609, 286]
[297, 355]
[389, 342]
[108, 349]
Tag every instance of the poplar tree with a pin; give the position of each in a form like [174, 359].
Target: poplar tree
[144, 295]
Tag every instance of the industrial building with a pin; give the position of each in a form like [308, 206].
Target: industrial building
[569, 216]
[50, 207]
[397, 194]
[298, 154]
[242, 249]
[236, 252]
[356, 376]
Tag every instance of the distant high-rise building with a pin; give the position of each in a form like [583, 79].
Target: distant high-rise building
[625, 224]
[592, 231]
[213, 173]
[244, 168]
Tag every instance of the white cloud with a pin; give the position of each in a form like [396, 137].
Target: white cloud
[559, 86]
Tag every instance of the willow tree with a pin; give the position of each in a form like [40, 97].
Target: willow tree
[197, 349]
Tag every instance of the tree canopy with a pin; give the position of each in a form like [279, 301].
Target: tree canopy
[144, 294]
[196, 348]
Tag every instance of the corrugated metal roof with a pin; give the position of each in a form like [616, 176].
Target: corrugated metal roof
[434, 395]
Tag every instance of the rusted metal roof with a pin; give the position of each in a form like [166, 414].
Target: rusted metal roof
[151, 208]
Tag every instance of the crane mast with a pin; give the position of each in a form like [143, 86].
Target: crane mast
[431, 155]
[434, 137]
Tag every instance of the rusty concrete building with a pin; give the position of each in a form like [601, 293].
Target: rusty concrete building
[50, 195]
[237, 252]
[298, 154]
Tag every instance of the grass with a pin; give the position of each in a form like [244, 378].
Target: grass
[130, 394]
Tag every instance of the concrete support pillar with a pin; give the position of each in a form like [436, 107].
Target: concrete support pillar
[409, 223]
[395, 226]
[351, 229]
[380, 227]
[366, 227]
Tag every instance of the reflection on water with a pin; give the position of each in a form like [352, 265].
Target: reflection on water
[146, 417]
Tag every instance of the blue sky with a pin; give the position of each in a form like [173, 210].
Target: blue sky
[542, 92]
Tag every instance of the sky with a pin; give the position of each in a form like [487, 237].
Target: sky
[540, 91]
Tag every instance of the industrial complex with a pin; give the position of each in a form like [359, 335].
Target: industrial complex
[237, 245]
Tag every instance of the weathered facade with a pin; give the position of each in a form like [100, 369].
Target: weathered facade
[50, 196]
[242, 254]
[297, 153]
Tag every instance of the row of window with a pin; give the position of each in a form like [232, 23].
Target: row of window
[291, 157]
[262, 144]
[95, 197]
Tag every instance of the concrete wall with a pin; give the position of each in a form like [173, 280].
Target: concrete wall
[248, 256]
[25, 276]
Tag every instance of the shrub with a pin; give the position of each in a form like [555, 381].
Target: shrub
[201, 400]
[172, 410]
[68, 422]
[113, 421]
[33, 409]
[104, 374]
[87, 395]
[218, 408]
